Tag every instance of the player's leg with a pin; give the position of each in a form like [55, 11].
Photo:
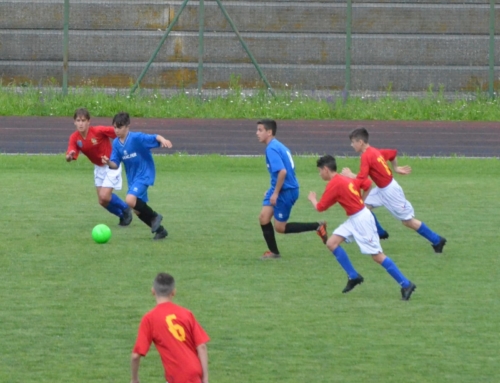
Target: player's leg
[265, 216]
[421, 228]
[341, 234]
[137, 198]
[106, 180]
[282, 211]
[373, 201]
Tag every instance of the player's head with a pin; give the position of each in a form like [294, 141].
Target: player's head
[82, 113]
[266, 130]
[359, 139]
[327, 161]
[164, 285]
[121, 119]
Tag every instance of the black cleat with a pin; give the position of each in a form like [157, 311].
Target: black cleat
[439, 247]
[160, 234]
[384, 236]
[352, 283]
[156, 223]
[321, 231]
[406, 292]
[126, 218]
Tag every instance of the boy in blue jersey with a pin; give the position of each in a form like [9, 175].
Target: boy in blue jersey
[283, 193]
[134, 149]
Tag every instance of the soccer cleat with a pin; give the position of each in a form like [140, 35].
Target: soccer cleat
[156, 222]
[352, 283]
[160, 234]
[406, 292]
[439, 247]
[270, 255]
[321, 231]
[126, 218]
[384, 236]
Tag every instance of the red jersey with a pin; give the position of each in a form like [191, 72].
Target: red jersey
[95, 145]
[374, 164]
[176, 334]
[346, 191]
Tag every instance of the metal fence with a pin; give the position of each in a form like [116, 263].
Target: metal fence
[334, 45]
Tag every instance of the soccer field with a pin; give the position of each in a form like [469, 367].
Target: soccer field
[70, 308]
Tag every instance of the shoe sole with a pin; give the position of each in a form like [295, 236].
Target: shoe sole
[322, 233]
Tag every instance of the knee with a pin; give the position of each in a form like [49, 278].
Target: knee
[279, 227]
[331, 244]
[131, 200]
[263, 219]
[412, 224]
[104, 200]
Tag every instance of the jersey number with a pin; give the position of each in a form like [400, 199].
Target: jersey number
[175, 329]
[384, 164]
[355, 192]
[291, 159]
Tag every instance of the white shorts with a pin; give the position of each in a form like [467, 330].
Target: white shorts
[394, 200]
[108, 178]
[361, 228]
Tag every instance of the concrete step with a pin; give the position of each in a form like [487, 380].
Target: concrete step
[275, 48]
[250, 16]
[307, 77]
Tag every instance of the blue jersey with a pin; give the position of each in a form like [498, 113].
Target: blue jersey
[136, 155]
[278, 157]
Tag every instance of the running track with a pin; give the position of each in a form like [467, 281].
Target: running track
[49, 135]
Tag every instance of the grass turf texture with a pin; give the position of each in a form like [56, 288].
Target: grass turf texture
[71, 307]
[288, 105]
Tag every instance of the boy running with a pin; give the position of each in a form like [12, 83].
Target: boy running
[360, 225]
[178, 337]
[283, 193]
[134, 149]
[94, 142]
[388, 193]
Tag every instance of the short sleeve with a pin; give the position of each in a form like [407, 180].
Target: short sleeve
[144, 338]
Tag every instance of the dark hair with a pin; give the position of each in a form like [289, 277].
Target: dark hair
[164, 284]
[269, 125]
[81, 112]
[121, 119]
[328, 161]
[359, 134]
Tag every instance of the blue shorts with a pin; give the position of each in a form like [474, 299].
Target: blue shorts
[140, 190]
[284, 204]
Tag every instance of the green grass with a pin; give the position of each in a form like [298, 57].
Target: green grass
[49, 102]
[70, 308]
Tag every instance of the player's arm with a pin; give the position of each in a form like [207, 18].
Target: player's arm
[327, 200]
[346, 172]
[164, 143]
[391, 156]
[72, 151]
[107, 161]
[280, 180]
[203, 356]
[135, 361]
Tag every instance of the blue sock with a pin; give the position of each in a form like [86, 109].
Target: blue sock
[114, 209]
[344, 261]
[393, 270]
[380, 229]
[115, 200]
[428, 234]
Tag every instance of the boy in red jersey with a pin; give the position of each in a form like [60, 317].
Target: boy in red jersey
[94, 142]
[179, 339]
[388, 193]
[360, 226]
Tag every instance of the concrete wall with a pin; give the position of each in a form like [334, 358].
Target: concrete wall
[405, 45]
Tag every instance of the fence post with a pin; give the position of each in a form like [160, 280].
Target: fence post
[348, 50]
[65, 48]
[491, 81]
[201, 45]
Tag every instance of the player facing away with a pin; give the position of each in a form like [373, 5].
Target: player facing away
[388, 192]
[360, 226]
[94, 142]
[283, 193]
[178, 337]
[134, 150]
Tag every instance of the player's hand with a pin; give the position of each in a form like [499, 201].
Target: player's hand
[273, 199]
[165, 143]
[105, 160]
[346, 172]
[312, 196]
[70, 156]
[404, 170]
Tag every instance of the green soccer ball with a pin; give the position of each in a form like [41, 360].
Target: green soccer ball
[101, 233]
